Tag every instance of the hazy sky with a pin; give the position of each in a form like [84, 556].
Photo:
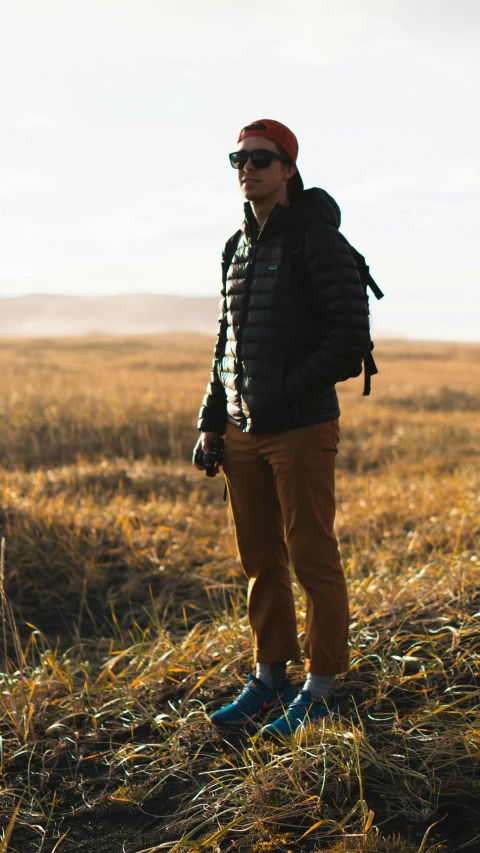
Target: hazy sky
[116, 118]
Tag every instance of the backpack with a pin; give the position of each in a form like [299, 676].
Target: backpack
[297, 240]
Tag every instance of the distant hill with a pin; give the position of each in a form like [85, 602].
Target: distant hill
[53, 315]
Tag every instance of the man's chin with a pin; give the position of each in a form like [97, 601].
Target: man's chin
[253, 193]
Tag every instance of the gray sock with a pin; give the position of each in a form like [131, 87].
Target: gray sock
[320, 686]
[272, 675]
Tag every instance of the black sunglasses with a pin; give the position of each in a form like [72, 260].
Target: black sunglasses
[261, 158]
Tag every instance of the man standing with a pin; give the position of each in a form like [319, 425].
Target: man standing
[294, 321]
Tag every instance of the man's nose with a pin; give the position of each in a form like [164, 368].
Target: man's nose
[249, 165]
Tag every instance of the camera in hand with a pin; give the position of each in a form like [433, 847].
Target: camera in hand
[211, 461]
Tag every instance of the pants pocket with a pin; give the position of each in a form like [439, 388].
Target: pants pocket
[336, 433]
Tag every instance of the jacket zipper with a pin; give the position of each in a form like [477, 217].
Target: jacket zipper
[245, 312]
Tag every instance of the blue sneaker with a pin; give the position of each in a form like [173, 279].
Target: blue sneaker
[301, 712]
[254, 699]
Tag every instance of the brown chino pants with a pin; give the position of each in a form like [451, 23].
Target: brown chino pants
[282, 495]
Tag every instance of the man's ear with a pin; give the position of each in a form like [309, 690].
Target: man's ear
[290, 170]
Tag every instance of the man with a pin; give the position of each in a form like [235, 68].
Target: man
[289, 329]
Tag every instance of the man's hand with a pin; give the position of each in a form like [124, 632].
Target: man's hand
[205, 442]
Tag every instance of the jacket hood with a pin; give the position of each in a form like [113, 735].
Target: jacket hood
[309, 205]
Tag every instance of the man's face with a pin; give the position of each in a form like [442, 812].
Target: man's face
[260, 183]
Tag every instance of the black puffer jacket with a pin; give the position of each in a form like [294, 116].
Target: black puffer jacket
[282, 344]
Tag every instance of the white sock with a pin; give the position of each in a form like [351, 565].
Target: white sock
[272, 675]
[320, 686]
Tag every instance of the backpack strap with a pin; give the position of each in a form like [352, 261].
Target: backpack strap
[364, 271]
[229, 252]
[370, 369]
[369, 365]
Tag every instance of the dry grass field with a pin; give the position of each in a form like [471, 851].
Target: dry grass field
[123, 614]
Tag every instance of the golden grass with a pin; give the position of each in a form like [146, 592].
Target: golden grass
[124, 610]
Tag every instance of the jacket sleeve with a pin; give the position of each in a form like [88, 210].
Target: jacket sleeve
[340, 305]
[212, 416]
